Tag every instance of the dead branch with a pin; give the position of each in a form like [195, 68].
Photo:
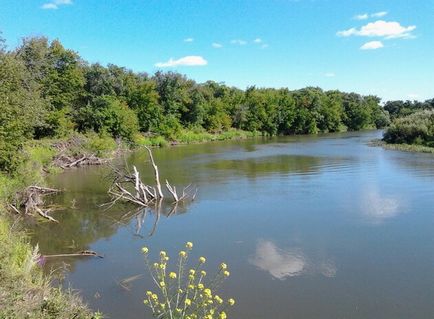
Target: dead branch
[130, 188]
[157, 175]
[31, 201]
[79, 254]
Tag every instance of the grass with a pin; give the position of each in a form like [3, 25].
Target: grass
[191, 137]
[404, 147]
[25, 292]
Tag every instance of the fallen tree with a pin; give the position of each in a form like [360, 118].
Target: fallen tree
[31, 201]
[128, 186]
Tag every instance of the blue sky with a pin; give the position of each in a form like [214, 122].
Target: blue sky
[376, 47]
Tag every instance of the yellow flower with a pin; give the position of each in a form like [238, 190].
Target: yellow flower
[218, 299]
[207, 292]
[156, 265]
[226, 273]
[145, 250]
[192, 272]
[154, 297]
[163, 306]
[145, 301]
[172, 275]
[162, 254]
[166, 259]
[191, 277]
[182, 254]
[202, 260]
[149, 293]
[223, 266]
[189, 245]
[231, 301]
[203, 273]
[200, 286]
[188, 302]
[222, 315]
[163, 266]
[191, 287]
[178, 310]
[162, 284]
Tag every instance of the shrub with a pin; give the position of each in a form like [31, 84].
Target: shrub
[417, 128]
[185, 293]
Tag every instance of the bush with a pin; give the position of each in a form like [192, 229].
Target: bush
[417, 128]
[185, 293]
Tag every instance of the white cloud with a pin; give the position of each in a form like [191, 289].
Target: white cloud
[217, 45]
[257, 40]
[239, 42]
[329, 74]
[380, 28]
[190, 60]
[372, 45]
[189, 40]
[55, 4]
[379, 14]
[363, 16]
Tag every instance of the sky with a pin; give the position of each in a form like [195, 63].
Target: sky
[380, 47]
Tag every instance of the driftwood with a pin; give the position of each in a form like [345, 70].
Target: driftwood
[79, 254]
[130, 188]
[64, 161]
[31, 201]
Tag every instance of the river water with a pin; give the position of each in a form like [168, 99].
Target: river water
[311, 227]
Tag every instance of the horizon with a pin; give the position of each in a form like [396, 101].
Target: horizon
[372, 48]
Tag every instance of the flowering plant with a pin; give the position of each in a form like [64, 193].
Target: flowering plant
[185, 293]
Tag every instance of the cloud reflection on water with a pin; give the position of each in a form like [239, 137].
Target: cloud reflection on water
[282, 264]
[378, 208]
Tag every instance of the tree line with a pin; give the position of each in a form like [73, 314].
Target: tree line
[49, 91]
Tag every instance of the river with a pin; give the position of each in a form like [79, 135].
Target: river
[312, 227]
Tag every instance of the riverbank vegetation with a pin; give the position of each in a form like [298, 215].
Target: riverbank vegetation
[414, 132]
[48, 91]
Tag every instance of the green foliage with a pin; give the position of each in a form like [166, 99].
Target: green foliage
[25, 291]
[108, 114]
[417, 128]
[49, 91]
[99, 144]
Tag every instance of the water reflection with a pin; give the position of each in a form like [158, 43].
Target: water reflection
[378, 208]
[278, 262]
[283, 263]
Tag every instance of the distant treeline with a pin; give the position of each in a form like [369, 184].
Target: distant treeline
[403, 108]
[49, 91]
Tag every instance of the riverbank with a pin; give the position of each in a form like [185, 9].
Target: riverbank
[25, 292]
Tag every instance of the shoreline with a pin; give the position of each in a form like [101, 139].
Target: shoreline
[402, 147]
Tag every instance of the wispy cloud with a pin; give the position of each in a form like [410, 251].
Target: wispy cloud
[363, 16]
[329, 74]
[188, 40]
[264, 46]
[190, 60]
[217, 45]
[379, 14]
[257, 41]
[239, 42]
[55, 4]
[372, 45]
[380, 28]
